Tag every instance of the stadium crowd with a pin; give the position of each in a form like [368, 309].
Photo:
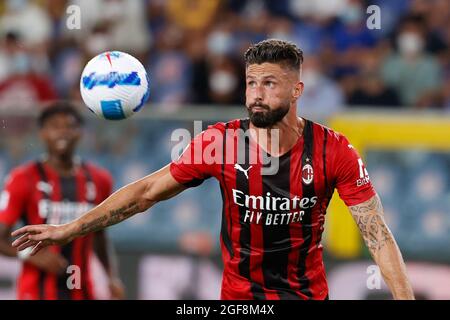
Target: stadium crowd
[193, 49]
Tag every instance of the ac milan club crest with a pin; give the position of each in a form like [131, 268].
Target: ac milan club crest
[307, 174]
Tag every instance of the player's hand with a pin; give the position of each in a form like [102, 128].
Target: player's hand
[116, 289]
[40, 236]
[49, 261]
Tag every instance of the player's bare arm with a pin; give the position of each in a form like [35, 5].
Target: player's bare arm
[380, 241]
[123, 204]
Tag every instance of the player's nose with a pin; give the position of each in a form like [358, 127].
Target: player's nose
[259, 93]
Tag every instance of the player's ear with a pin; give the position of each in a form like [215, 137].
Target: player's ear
[298, 89]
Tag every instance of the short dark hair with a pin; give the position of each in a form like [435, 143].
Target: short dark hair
[275, 51]
[60, 107]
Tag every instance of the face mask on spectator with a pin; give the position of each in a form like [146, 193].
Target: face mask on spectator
[97, 43]
[219, 42]
[352, 14]
[410, 43]
[20, 63]
[222, 82]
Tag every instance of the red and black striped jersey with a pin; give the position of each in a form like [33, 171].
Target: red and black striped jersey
[37, 194]
[272, 224]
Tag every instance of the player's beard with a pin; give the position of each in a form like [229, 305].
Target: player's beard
[267, 118]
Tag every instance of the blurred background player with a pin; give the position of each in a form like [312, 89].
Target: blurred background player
[54, 189]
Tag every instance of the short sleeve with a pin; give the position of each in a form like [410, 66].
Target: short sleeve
[199, 158]
[14, 197]
[351, 176]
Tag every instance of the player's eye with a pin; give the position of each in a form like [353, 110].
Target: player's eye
[251, 83]
[270, 84]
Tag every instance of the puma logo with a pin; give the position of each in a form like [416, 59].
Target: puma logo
[238, 167]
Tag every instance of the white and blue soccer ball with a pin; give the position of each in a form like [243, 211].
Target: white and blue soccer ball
[114, 85]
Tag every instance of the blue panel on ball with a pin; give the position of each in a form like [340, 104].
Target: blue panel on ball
[112, 109]
[111, 80]
[144, 98]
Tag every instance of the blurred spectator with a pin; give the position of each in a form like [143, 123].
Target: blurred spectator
[370, 89]
[435, 22]
[411, 70]
[156, 15]
[123, 24]
[25, 91]
[33, 26]
[321, 94]
[220, 41]
[56, 11]
[170, 78]
[99, 39]
[218, 75]
[67, 66]
[218, 79]
[392, 11]
[225, 81]
[352, 32]
[21, 87]
[373, 92]
[317, 9]
[194, 48]
[282, 28]
[192, 14]
[28, 20]
[128, 18]
[311, 34]
[170, 69]
[349, 37]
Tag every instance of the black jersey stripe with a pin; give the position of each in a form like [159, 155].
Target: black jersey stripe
[42, 276]
[277, 237]
[328, 190]
[324, 160]
[68, 193]
[85, 250]
[308, 191]
[328, 184]
[242, 184]
[244, 236]
[226, 238]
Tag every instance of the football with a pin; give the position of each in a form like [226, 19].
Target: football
[114, 85]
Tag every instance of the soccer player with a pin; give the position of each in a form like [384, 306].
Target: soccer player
[272, 220]
[57, 189]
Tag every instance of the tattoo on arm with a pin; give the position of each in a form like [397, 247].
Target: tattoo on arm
[369, 218]
[113, 217]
